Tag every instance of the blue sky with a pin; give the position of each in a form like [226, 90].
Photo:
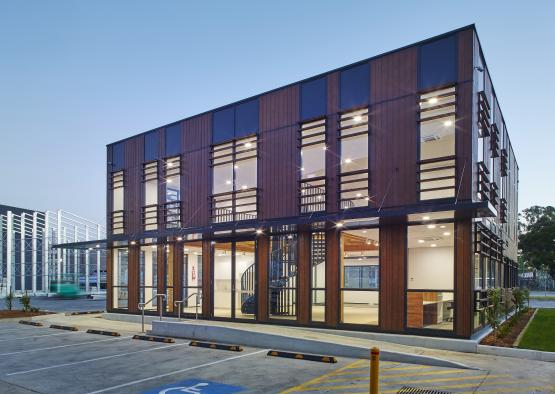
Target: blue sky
[76, 75]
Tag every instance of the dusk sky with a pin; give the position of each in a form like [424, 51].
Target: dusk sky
[77, 75]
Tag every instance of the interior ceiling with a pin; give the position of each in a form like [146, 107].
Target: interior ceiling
[438, 234]
[360, 240]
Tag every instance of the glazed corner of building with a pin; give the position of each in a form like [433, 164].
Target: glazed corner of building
[400, 96]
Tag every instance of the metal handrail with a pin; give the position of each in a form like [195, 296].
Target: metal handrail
[185, 299]
[142, 308]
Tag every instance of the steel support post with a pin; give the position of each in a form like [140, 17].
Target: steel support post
[22, 250]
[9, 251]
[34, 254]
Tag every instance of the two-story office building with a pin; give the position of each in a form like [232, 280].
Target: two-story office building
[378, 196]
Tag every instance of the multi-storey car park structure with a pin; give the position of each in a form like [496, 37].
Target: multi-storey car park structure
[378, 196]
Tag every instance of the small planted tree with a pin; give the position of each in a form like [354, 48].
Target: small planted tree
[9, 300]
[25, 301]
[493, 311]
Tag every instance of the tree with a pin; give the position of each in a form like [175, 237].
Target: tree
[537, 237]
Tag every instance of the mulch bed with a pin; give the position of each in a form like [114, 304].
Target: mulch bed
[509, 339]
[5, 314]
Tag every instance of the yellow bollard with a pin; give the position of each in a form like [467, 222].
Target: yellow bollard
[374, 370]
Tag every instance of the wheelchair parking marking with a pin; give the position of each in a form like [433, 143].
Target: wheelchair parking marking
[61, 346]
[119, 386]
[194, 386]
[92, 359]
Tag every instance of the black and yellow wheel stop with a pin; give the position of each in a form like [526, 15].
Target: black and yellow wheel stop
[302, 356]
[219, 346]
[67, 328]
[152, 338]
[30, 323]
[83, 313]
[101, 332]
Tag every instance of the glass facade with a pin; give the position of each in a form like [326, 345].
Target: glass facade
[120, 277]
[282, 277]
[313, 166]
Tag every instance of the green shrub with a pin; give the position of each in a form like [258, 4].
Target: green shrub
[25, 301]
[493, 311]
[9, 300]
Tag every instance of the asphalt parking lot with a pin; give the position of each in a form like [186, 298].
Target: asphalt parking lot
[46, 360]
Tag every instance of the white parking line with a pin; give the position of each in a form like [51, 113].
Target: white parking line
[92, 359]
[20, 329]
[62, 346]
[38, 336]
[176, 372]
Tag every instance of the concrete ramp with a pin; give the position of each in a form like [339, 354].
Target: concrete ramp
[261, 339]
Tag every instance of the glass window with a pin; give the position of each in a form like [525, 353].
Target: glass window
[223, 128]
[438, 63]
[148, 278]
[430, 282]
[120, 278]
[282, 283]
[314, 98]
[118, 156]
[245, 280]
[353, 135]
[437, 165]
[234, 181]
[318, 276]
[192, 277]
[172, 206]
[173, 140]
[150, 206]
[246, 118]
[313, 166]
[355, 87]
[152, 146]
[360, 273]
[118, 191]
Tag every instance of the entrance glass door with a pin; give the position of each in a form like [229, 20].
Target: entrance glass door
[234, 280]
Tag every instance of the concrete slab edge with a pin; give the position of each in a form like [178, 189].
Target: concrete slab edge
[281, 342]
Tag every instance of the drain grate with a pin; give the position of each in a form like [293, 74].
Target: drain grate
[416, 390]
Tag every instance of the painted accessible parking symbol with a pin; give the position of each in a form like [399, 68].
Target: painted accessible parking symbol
[194, 386]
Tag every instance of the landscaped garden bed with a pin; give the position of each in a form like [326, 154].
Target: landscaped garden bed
[509, 331]
[6, 314]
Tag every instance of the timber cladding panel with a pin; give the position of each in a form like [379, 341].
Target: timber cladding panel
[463, 277]
[196, 179]
[278, 158]
[332, 154]
[393, 129]
[393, 238]
[465, 123]
[133, 149]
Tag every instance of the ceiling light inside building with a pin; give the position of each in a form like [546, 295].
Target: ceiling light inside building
[425, 218]
[348, 160]
[433, 245]
[420, 241]
[447, 233]
[359, 195]
[433, 100]
[228, 182]
[447, 123]
[357, 118]
[340, 224]
[431, 226]
[248, 144]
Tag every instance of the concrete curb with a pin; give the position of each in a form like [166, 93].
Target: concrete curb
[202, 332]
[517, 353]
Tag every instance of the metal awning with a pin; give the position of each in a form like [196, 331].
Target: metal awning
[98, 244]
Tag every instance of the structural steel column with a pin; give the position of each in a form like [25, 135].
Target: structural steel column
[45, 255]
[98, 262]
[22, 250]
[87, 287]
[9, 251]
[34, 255]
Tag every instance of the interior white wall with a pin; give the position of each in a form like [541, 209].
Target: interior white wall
[431, 268]
[222, 276]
